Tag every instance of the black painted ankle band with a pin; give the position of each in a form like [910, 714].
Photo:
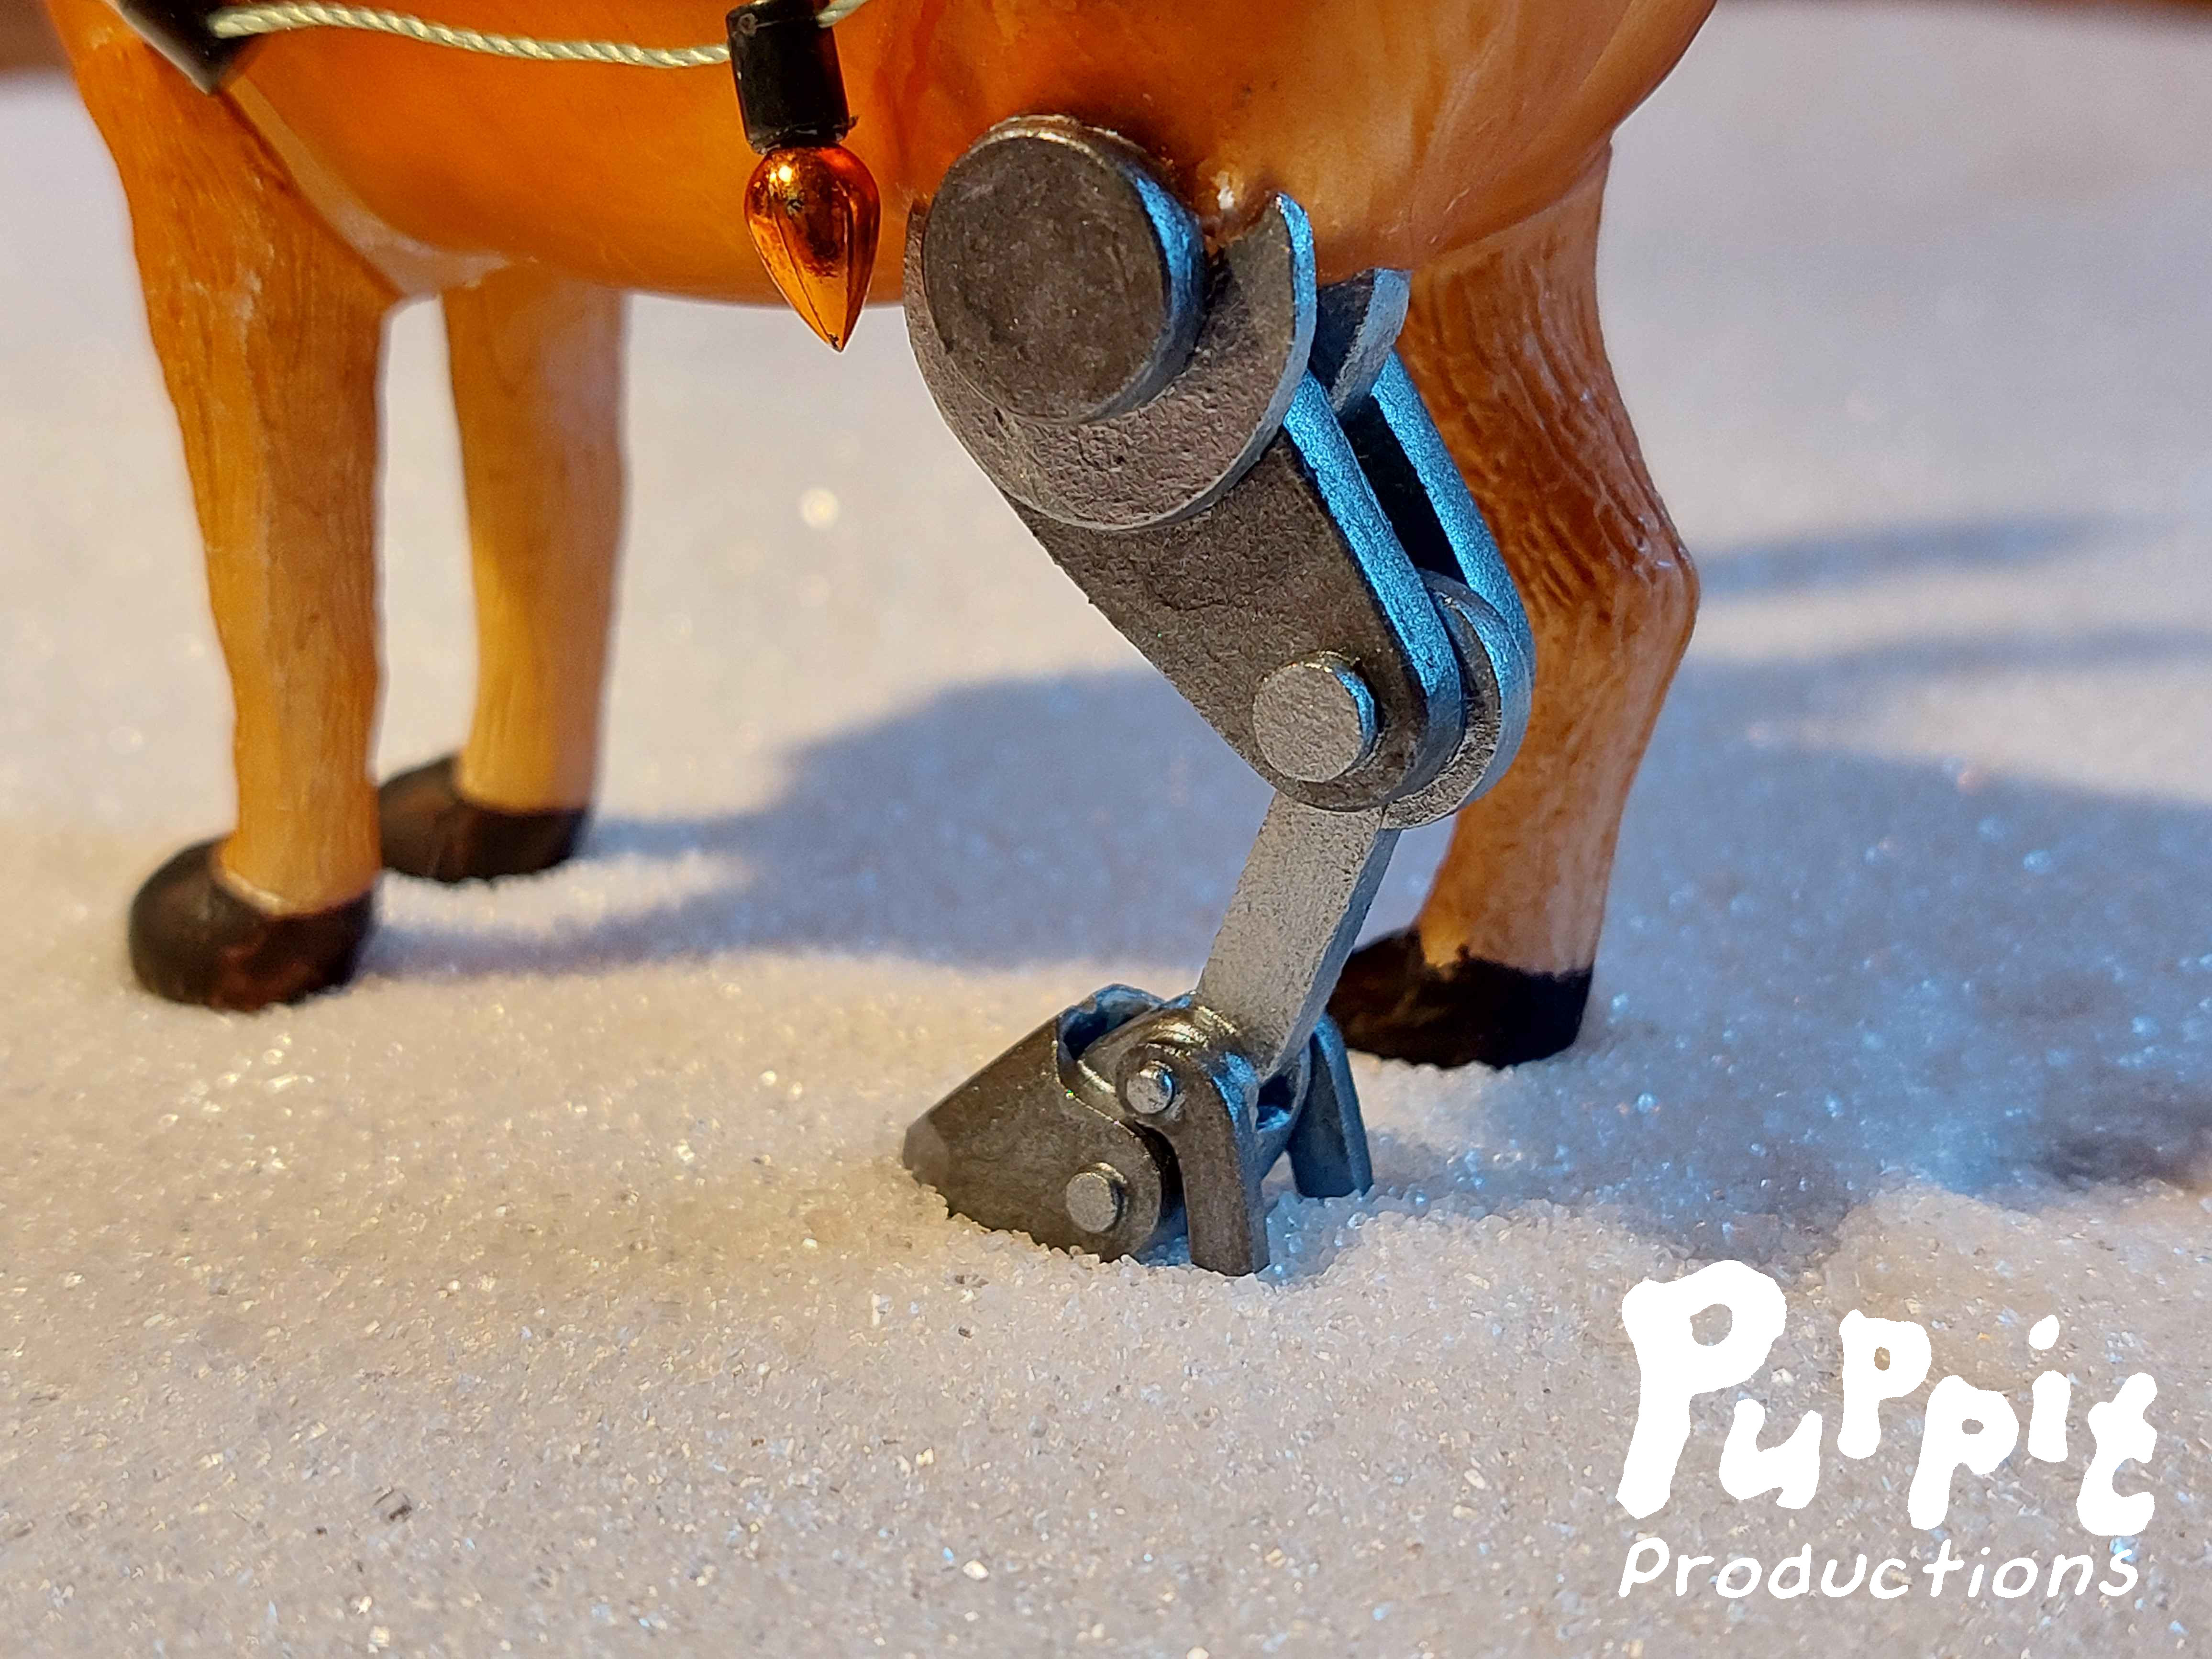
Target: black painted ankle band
[430, 829]
[194, 940]
[1390, 1002]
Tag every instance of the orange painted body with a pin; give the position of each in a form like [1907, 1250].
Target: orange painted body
[1406, 128]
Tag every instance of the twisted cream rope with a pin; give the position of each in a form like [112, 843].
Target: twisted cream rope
[235, 23]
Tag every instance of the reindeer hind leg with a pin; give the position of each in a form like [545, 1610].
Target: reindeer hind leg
[1503, 342]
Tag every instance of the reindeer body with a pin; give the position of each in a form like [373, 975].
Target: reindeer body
[276, 223]
[1406, 128]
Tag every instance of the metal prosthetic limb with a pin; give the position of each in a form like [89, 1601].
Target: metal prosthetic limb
[1237, 470]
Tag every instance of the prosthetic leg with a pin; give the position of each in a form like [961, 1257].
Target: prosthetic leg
[1238, 470]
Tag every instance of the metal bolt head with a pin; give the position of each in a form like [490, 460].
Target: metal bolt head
[1064, 279]
[1315, 719]
[1095, 1198]
[1151, 1089]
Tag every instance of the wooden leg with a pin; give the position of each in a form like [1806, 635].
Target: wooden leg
[537, 370]
[269, 329]
[1504, 343]
[536, 366]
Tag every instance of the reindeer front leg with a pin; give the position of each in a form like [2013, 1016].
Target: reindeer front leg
[1504, 343]
[269, 329]
[537, 374]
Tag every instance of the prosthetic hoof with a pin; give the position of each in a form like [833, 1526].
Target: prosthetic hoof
[431, 829]
[194, 940]
[1391, 1002]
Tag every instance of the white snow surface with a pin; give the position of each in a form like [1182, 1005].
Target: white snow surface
[557, 1288]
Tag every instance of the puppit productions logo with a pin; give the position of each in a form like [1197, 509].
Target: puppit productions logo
[1964, 1428]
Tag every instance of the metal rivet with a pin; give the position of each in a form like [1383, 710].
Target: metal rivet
[1092, 305]
[1151, 1089]
[1314, 720]
[1095, 1198]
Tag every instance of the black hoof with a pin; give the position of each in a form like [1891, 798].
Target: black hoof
[431, 830]
[1391, 1002]
[194, 940]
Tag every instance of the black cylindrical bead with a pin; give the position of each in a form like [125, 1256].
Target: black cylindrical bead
[790, 89]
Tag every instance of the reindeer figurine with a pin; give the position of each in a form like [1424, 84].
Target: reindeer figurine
[336, 174]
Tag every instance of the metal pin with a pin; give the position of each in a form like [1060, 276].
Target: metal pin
[1151, 1089]
[1315, 720]
[1096, 1197]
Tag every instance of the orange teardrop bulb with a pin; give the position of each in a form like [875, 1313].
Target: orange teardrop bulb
[814, 216]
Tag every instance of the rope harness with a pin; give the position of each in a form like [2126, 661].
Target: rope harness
[244, 22]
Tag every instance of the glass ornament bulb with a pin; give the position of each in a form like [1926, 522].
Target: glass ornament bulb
[815, 219]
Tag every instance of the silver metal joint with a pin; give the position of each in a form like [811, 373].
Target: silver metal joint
[1235, 466]
[1150, 1090]
[1315, 720]
[1095, 1198]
